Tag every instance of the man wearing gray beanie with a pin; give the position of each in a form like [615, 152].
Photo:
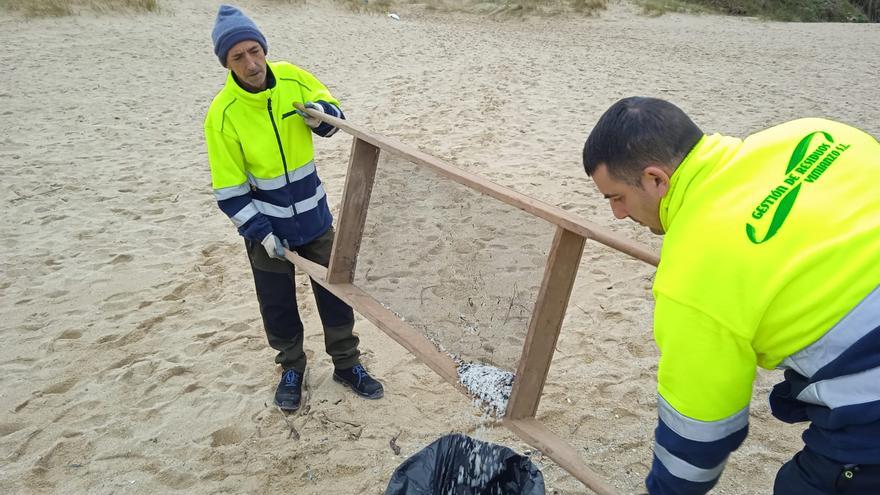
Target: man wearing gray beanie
[264, 178]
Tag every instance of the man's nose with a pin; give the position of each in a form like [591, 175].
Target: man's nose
[619, 211]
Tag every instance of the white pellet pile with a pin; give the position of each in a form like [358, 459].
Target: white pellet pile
[490, 385]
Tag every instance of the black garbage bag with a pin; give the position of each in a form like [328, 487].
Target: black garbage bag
[460, 465]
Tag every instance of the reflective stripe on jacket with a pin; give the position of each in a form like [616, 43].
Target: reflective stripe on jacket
[770, 242]
[262, 158]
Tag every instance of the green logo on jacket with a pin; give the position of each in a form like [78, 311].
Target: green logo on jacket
[801, 168]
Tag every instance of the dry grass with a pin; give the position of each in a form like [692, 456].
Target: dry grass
[363, 6]
[371, 6]
[785, 10]
[656, 8]
[490, 7]
[521, 7]
[58, 8]
[777, 10]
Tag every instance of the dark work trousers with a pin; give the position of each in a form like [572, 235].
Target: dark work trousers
[810, 473]
[276, 292]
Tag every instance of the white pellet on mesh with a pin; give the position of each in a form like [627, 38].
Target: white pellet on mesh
[489, 384]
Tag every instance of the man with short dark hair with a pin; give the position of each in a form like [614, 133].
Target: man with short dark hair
[264, 178]
[770, 258]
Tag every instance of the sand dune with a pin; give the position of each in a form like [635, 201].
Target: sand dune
[133, 358]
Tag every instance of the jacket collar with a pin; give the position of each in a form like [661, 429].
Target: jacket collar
[257, 99]
[700, 161]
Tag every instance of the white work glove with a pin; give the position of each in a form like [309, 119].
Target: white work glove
[309, 120]
[273, 246]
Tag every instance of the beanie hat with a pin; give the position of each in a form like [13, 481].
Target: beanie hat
[232, 27]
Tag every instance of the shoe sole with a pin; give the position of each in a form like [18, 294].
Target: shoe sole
[377, 395]
[286, 409]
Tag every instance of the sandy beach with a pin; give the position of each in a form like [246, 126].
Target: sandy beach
[133, 358]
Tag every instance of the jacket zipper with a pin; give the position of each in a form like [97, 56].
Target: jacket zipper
[280, 148]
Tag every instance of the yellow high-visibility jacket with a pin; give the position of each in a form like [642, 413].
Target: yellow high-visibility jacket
[262, 158]
[770, 242]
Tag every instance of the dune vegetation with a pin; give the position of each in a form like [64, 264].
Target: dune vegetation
[57, 8]
[777, 10]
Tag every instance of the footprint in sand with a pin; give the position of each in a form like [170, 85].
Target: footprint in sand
[70, 335]
[226, 436]
[172, 372]
[192, 387]
[175, 218]
[7, 428]
[176, 479]
[60, 452]
[107, 339]
[178, 292]
[121, 258]
[52, 218]
[238, 327]
[61, 387]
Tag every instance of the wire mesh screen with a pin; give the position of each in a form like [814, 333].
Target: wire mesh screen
[462, 267]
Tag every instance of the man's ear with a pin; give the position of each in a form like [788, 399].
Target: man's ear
[655, 179]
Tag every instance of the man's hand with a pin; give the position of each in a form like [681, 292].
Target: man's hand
[273, 246]
[311, 121]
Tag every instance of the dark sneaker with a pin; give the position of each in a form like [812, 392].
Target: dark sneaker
[289, 392]
[360, 382]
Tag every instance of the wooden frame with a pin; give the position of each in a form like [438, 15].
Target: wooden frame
[546, 321]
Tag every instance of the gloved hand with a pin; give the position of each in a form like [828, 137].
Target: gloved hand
[311, 121]
[273, 246]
